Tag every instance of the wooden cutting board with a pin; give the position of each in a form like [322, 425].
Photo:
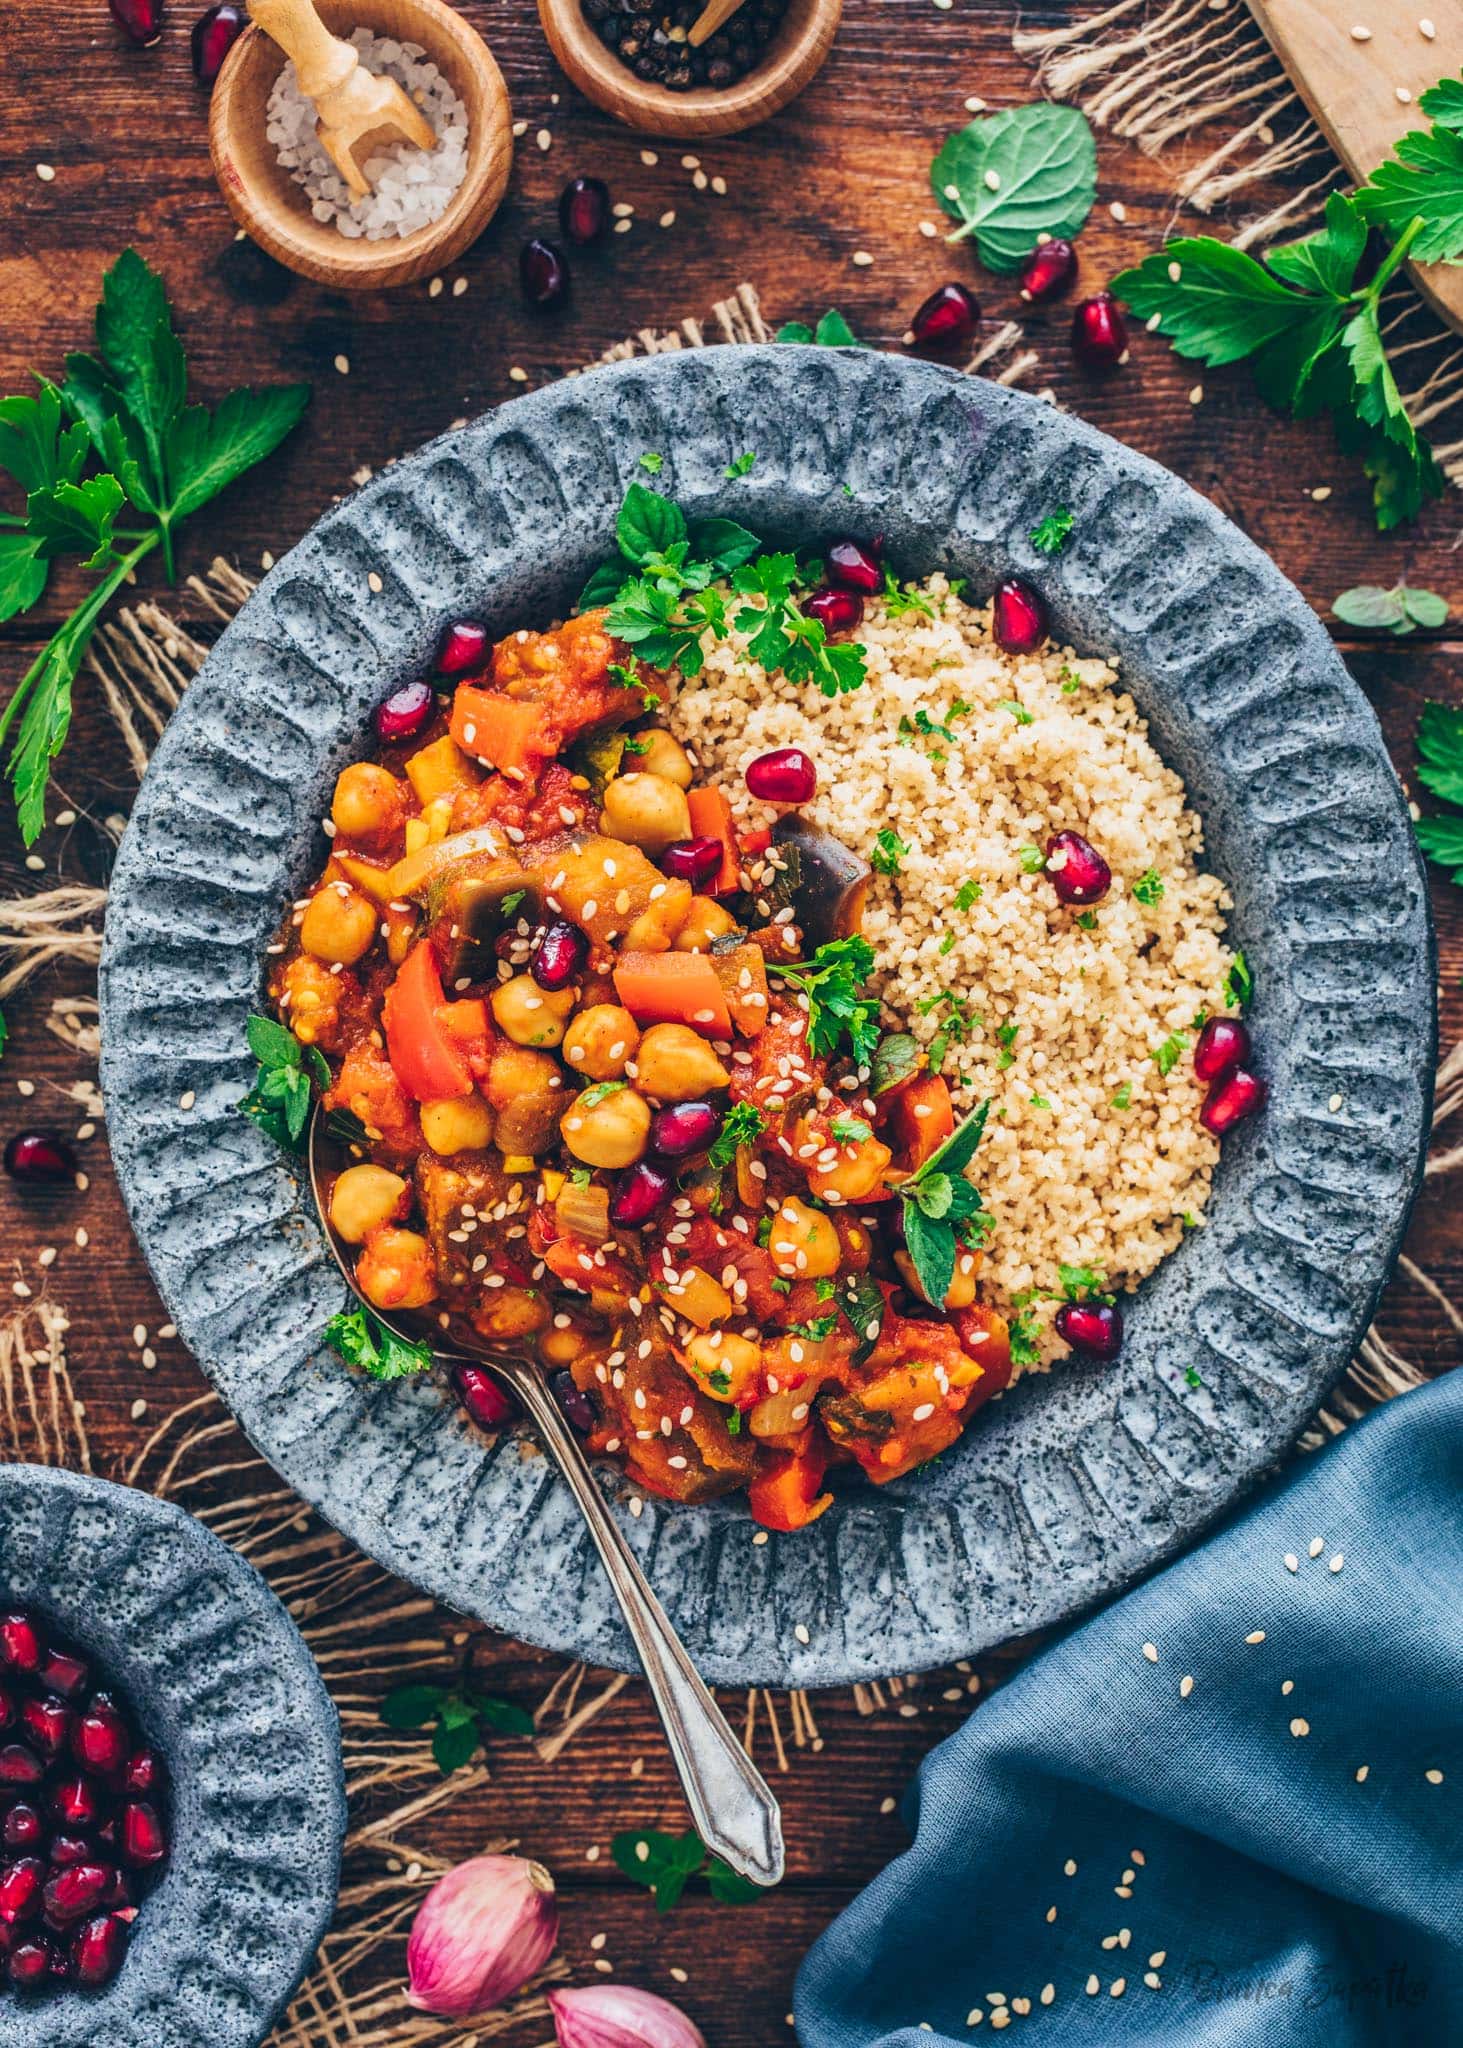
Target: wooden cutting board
[1351, 84]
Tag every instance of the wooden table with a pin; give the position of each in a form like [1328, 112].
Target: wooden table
[844, 170]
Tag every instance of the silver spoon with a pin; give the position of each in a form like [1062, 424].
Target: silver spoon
[735, 1813]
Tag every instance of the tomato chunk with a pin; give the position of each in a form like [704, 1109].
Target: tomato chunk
[784, 1495]
[426, 1057]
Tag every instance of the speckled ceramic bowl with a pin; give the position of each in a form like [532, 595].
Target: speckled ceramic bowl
[1077, 1481]
[218, 1677]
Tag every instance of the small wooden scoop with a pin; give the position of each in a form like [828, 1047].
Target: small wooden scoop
[358, 112]
[713, 16]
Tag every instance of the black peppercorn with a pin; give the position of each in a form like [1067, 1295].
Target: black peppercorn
[651, 38]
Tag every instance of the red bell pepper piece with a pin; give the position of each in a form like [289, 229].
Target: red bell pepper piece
[784, 1495]
[426, 1056]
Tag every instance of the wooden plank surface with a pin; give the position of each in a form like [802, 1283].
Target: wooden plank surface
[843, 171]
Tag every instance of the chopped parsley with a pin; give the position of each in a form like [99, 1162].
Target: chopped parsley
[633, 745]
[1088, 921]
[1018, 711]
[1192, 1376]
[1032, 859]
[590, 1097]
[851, 1130]
[889, 851]
[1071, 682]
[832, 982]
[1040, 1102]
[1124, 1096]
[743, 1124]
[363, 1341]
[653, 462]
[1083, 1283]
[899, 603]
[1166, 1056]
[1025, 1331]
[742, 466]
[816, 1331]
[947, 943]
[1239, 983]
[1149, 886]
[967, 894]
[1049, 535]
[1006, 1038]
[734, 1422]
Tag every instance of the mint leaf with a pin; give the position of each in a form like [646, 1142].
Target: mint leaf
[723, 543]
[931, 1246]
[959, 1148]
[1011, 177]
[1398, 610]
[896, 1058]
[504, 1717]
[454, 1744]
[206, 451]
[412, 1706]
[741, 465]
[727, 1887]
[648, 524]
[1440, 751]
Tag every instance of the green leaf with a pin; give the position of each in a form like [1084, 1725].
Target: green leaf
[33, 447]
[896, 1058]
[1239, 983]
[272, 1044]
[412, 1706]
[932, 1194]
[888, 852]
[1165, 1056]
[1050, 535]
[504, 1717]
[648, 524]
[1222, 305]
[833, 331]
[23, 573]
[652, 462]
[740, 465]
[1422, 181]
[795, 331]
[1441, 839]
[862, 1301]
[134, 328]
[452, 1747]
[662, 1862]
[603, 587]
[959, 1148]
[76, 519]
[1011, 177]
[45, 693]
[832, 981]
[1440, 751]
[1443, 103]
[364, 1342]
[728, 1888]
[1368, 605]
[205, 451]
[1424, 607]
[931, 1245]
[723, 543]
[743, 1124]
[1326, 261]
[1148, 888]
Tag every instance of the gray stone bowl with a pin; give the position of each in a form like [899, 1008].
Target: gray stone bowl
[223, 1685]
[1076, 1482]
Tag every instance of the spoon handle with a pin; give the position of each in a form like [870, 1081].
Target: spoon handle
[735, 1813]
[322, 61]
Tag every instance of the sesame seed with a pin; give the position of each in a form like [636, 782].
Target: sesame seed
[1316, 1545]
[1426, 28]
[1186, 1686]
[1335, 1103]
[1300, 1726]
[517, 375]
[544, 139]
[700, 180]
[1362, 1772]
[1158, 1958]
[1048, 1993]
[46, 173]
[434, 289]
[1256, 1635]
[1051, 1914]
[928, 229]
[459, 287]
[187, 1099]
[374, 583]
[1152, 1979]
[1403, 95]
[1336, 1563]
[1196, 396]
[1292, 1562]
[993, 181]
[1092, 1986]
[139, 1409]
[1434, 1777]
[623, 227]
[1118, 1987]
[1287, 1688]
[343, 364]
[1175, 272]
[1150, 1651]
[862, 258]
[668, 218]
[1069, 1868]
[800, 1630]
[1321, 493]
[975, 104]
[1360, 34]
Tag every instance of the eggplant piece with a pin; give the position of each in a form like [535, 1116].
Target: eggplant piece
[470, 904]
[833, 883]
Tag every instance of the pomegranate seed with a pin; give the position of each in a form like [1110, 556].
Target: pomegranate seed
[1018, 617]
[20, 1644]
[98, 1949]
[214, 35]
[1083, 875]
[38, 1156]
[66, 1849]
[107, 1833]
[406, 712]
[22, 1827]
[64, 1674]
[144, 1774]
[1231, 1098]
[99, 1740]
[683, 1127]
[576, 1404]
[119, 1891]
[7, 1708]
[1099, 336]
[558, 955]
[947, 319]
[31, 1962]
[854, 567]
[543, 273]
[1049, 269]
[837, 611]
[697, 861]
[21, 1885]
[141, 19]
[76, 1801]
[143, 1839]
[1224, 1044]
[20, 1766]
[76, 1891]
[584, 209]
[481, 1395]
[465, 646]
[639, 1192]
[785, 776]
[47, 1725]
[1092, 1327]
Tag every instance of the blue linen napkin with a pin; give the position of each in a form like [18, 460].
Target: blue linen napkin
[1217, 1841]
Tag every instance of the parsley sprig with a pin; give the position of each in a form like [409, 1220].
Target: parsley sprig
[365, 1342]
[784, 637]
[743, 1124]
[1440, 769]
[463, 1719]
[941, 1208]
[1049, 535]
[665, 1864]
[116, 440]
[833, 981]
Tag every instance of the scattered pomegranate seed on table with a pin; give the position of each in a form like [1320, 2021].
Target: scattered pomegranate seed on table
[1018, 617]
[584, 209]
[1047, 271]
[142, 20]
[214, 35]
[1092, 1327]
[406, 712]
[1234, 1095]
[1080, 874]
[784, 776]
[837, 611]
[947, 319]
[39, 1156]
[854, 566]
[1099, 333]
[1224, 1043]
[543, 272]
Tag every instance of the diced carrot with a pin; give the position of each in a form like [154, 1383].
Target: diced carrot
[711, 818]
[426, 1059]
[673, 988]
[505, 732]
[784, 1495]
[921, 1118]
[743, 977]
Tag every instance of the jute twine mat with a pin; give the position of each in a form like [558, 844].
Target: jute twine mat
[1201, 72]
[369, 1631]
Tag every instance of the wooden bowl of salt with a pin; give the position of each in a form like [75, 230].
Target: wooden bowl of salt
[302, 230]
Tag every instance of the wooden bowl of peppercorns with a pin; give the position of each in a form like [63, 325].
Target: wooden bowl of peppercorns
[634, 59]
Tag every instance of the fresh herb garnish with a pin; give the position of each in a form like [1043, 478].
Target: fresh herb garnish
[926, 727]
[1012, 177]
[900, 602]
[1166, 1056]
[1086, 920]
[367, 1344]
[832, 981]
[888, 851]
[1124, 1096]
[1083, 1283]
[816, 1331]
[596, 1093]
[1024, 1327]
[464, 1719]
[942, 1209]
[511, 901]
[832, 331]
[1049, 536]
[1006, 1038]
[159, 459]
[733, 1422]
[1020, 713]
[1040, 1102]
[1239, 983]
[665, 1864]
[283, 1091]
[862, 1301]
[1149, 887]
[1192, 1377]
[947, 944]
[968, 894]
[1032, 859]
[852, 1130]
[784, 637]
[652, 462]
[896, 1059]
[1398, 610]
[1440, 770]
[741, 465]
[743, 1124]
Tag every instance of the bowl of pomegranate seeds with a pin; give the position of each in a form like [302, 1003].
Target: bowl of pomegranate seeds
[169, 1770]
[858, 921]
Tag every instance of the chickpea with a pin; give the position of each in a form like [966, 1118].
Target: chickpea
[531, 1015]
[362, 1200]
[804, 1245]
[676, 1063]
[851, 1180]
[707, 920]
[726, 1365]
[646, 810]
[311, 995]
[510, 1312]
[664, 756]
[396, 1270]
[562, 1347]
[612, 1131]
[369, 803]
[462, 1125]
[339, 924]
[962, 1284]
[600, 1040]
